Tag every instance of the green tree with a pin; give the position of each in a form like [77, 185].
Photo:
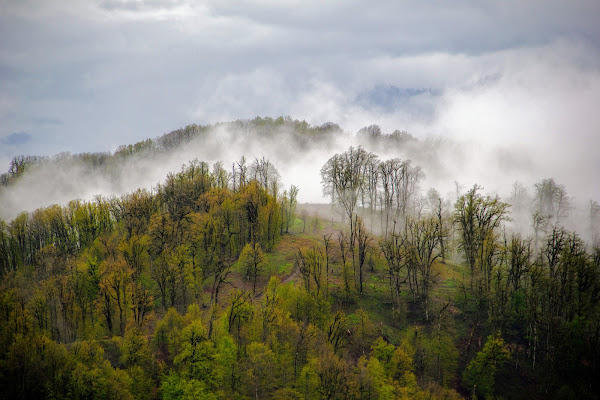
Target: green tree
[291, 200]
[480, 374]
[177, 387]
[260, 372]
[135, 350]
[254, 261]
[478, 217]
[197, 355]
[166, 334]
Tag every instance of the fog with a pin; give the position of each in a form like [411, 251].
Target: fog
[500, 113]
[450, 166]
[93, 75]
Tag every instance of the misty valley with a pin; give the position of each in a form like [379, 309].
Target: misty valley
[275, 259]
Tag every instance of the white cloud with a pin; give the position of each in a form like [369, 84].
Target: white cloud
[524, 77]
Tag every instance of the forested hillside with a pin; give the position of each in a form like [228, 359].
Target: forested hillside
[32, 182]
[217, 284]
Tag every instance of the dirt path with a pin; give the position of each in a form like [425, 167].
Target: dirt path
[291, 276]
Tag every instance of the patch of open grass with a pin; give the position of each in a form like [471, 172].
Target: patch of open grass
[285, 269]
[281, 259]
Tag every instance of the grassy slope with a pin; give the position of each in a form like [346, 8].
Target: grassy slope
[394, 320]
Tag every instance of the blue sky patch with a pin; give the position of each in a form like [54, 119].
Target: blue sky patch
[16, 138]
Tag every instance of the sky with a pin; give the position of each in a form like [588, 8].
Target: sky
[521, 77]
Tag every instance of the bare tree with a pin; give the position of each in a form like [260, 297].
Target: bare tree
[343, 243]
[344, 177]
[220, 176]
[387, 171]
[436, 205]
[422, 239]
[239, 174]
[291, 206]
[540, 222]
[328, 247]
[310, 264]
[477, 217]
[393, 248]
[408, 184]
[265, 173]
[519, 198]
[400, 185]
[364, 243]
[304, 217]
[551, 199]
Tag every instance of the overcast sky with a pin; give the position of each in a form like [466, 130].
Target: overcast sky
[84, 76]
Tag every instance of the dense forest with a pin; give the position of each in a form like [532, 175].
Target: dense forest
[217, 284]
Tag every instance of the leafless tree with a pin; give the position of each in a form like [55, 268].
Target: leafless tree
[551, 199]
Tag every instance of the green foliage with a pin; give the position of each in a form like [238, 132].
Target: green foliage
[479, 377]
[166, 334]
[176, 387]
[309, 382]
[478, 218]
[254, 261]
[92, 294]
[135, 350]
[225, 362]
[260, 371]
[142, 386]
[287, 394]
[305, 308]
[197, 355]
[379, 383]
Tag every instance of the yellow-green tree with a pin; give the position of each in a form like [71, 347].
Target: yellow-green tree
[254, 260]
[480, 375]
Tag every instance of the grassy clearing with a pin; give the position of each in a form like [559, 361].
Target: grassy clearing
[281, 259]
[390, 318]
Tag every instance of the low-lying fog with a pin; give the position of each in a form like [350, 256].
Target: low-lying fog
[450, 166]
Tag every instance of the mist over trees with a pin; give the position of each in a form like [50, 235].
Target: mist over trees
[218, 283]
[64, 177]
